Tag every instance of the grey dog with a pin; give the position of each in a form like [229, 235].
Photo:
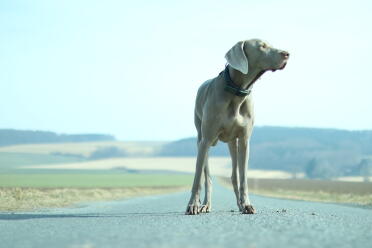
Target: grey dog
[224, 111]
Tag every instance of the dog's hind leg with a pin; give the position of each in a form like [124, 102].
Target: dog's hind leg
[206, 207]
[207, 203]
[194, 204]
[201, 162]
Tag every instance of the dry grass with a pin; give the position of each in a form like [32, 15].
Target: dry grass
[95, 180]
[310, 190]
[354, 179]
[85, 148]
[318, 196]
[220, 166]
[22, 199]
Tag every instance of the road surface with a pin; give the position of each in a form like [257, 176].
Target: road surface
[159, 221]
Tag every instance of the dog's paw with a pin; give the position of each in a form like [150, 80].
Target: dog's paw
[205, 208]
[248, 209]
[193, 209]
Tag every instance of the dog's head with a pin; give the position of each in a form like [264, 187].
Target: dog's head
[256, 54]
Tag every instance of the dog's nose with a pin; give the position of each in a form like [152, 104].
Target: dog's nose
[285, 54]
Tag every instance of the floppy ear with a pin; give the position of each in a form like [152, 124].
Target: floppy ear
[237, 58]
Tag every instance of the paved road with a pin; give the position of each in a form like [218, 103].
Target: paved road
[158, 221]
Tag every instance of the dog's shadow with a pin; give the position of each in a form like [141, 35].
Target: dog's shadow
[27, 216]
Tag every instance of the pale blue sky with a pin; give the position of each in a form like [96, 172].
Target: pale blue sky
[132, 68]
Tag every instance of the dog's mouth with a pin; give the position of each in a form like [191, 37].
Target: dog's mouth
[281, 67]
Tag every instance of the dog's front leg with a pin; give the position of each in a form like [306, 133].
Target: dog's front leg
[194, 203]
[207, 204]
[233, 148]
[243, 154]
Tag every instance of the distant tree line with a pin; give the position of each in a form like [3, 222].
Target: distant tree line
[14, 137]
[322, 169]
[319, 153]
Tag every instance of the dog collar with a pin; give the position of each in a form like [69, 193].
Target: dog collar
[231, 87]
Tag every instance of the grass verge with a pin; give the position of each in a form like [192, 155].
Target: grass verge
[19, 192]
[317, 196]
[25, 199]
[93, 180]
[310, 190]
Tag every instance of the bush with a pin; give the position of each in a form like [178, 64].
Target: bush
[107, 152]
[365, 168]
[320, 169]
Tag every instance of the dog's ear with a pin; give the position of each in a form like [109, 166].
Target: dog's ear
[237, 59]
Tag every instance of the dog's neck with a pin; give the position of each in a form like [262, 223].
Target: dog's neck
[244, 81]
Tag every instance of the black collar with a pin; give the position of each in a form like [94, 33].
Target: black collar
[231, 87]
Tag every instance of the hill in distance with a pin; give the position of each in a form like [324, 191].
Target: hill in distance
[331, 152]
[15, 137]
[319, 153]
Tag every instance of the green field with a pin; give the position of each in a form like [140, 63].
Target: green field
[93, 180]
[23, 188]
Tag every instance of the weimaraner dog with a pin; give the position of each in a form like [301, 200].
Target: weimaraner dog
[224, 111]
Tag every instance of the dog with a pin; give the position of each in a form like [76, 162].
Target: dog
[224, 111]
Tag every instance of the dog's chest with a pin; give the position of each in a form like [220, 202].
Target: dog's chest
[236, 122]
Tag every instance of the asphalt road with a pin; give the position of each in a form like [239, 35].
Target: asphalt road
[159, 221]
